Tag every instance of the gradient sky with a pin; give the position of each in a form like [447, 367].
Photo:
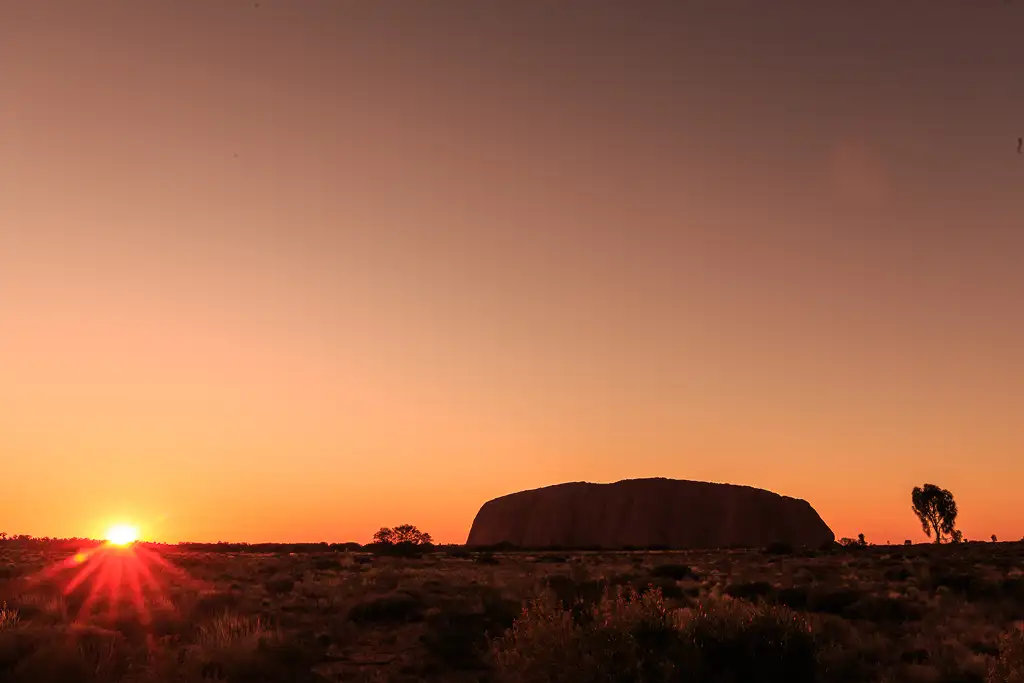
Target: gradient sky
[296, 271]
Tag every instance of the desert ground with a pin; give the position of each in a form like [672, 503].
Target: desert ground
[161, 613]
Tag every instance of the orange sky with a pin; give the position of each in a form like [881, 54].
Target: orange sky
[463, 251]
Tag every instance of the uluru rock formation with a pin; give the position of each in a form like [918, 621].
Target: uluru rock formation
[646, 513]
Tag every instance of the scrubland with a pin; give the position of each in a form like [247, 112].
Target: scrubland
[923, 613]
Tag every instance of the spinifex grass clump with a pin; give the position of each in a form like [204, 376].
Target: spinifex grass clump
[1009, 667]
[8, 617]
[634, 638]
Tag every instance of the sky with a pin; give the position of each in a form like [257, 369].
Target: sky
[296, 271]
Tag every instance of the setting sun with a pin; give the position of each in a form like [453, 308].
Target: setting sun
[122, 534]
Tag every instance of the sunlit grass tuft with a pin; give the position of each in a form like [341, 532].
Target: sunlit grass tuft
[8, 617]
[228, 630]
[1009, 667]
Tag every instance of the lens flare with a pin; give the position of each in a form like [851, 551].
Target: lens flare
[120, 579]
[122, 535]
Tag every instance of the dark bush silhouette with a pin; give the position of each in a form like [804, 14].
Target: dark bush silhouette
[899, 574]
[326, 563]
[1009, 667]
[281, 585]
[752, 591]
[859, 542]
[458, 636]
[881, 609]
[635, 637]
[578, 597]
[779, 548]
[676, 572]
[399, 608]
[795, 597]
[936, 509]
[404, 540]
[403, 533]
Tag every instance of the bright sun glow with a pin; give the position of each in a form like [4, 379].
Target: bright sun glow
[122, 534]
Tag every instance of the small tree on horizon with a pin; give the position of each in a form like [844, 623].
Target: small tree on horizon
[936, 509]
[403, 533]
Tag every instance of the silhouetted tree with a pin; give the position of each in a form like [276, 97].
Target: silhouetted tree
[956, 536]
[3, 535]
[936, 509]
[858, 542]
[404, 533]
[994, 539]
[384, 536]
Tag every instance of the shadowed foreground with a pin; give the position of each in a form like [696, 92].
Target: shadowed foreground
[914, 613]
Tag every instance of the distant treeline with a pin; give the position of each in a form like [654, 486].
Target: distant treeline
[402, 549]
[26, 541]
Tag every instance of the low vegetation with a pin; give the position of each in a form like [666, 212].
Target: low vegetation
[920, 613]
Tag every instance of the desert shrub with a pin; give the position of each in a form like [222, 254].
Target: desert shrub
[753, 590]
[676, 572]
[964, 584]
[213, 603]
[552, 559]
[779, 548]
[237, 648]
[830, 601]
[1009, 667]
[670, 590]
[83, 654]
[346, 547]
[1012, 589]
[407, 549]
[227, 630]
[917, 655]
[486, 558]
[577, 596]
[8, 617]
[635, 638]
[899, 574]
[739, 641]
[403, 533]
[15, 645]
[326, 563]
[403, 607]
[622, 579]
[794, 597]
[280, 585]
[458, 636]
[503, 547]
[884, 609]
